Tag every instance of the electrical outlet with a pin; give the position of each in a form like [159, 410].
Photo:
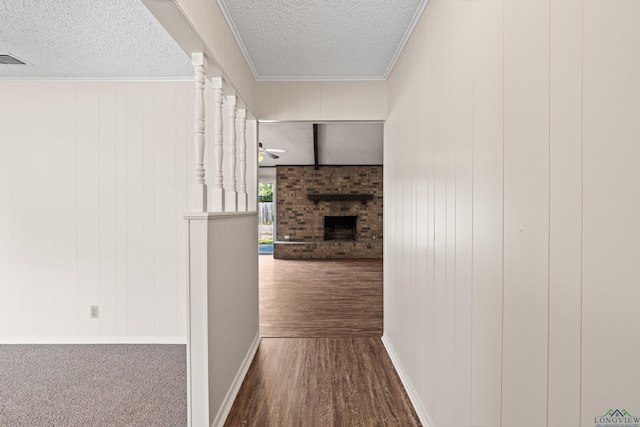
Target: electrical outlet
[94, 311]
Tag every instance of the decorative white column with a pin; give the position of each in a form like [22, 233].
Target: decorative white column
[231, 194]
[199, 188]
[217, 190]
[242, 157]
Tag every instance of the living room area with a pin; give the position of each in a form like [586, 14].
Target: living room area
[322, 201]
[326, 184]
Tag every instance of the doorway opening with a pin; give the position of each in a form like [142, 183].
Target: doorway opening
[265, 218]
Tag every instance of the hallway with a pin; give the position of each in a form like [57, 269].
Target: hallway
[323, 362]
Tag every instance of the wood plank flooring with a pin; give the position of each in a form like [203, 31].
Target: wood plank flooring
[325, 364]
[320, 298]
[322, 382]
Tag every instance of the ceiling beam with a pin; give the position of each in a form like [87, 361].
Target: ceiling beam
[315, 147]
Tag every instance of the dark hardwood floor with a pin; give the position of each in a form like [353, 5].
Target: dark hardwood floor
[320, 298]
[322, 382]
[321, 361]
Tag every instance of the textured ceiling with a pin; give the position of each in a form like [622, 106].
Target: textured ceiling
[282, 40]
[87, 39]
[322, 39]
[338, 143]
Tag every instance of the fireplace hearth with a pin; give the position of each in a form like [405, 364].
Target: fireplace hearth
[340, 227]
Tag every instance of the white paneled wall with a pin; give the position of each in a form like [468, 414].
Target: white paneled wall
[348, 100]
[93, 186]
[511, 212]
[611, 206]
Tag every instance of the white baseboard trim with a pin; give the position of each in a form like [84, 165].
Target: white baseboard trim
[421, 411]
[93, 340]
[227, 403]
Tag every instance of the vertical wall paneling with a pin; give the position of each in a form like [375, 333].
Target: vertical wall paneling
[147, 307]
[98, 208]
[381, 95]
[164, 208]
[336, 100]
[183, 132]
[430, 176]
[136, 215]
[463, 136]
[46, 195]
[365, 100]
[437, 43]
[30, 225]
[21, 229]
[450, 399]
[526, 211]
[331, 101]
[263, 98]
[486, 388]
[290, 100]
[6, 211]
[537, 105]
[107, 292]
[309, 104]
[408, 228]
[611, 208]
[88, 206]
[423, 292]
[65, 210]
[565, 212]
[220, 301]
[275, 98]
[422, 155]
[121, 178]
[223, 310]
[348, 99]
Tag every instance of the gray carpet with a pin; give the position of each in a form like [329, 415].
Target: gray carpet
[93, 385]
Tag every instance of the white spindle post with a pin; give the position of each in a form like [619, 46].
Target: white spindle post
[217, 191]
[242, 158]
[199, 188]
[231, 194]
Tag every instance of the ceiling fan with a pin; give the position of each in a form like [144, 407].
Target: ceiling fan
[268, 152]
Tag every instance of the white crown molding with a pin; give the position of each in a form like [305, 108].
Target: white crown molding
[236, 35]
[405, 38]
[318, 78]
[98, 79]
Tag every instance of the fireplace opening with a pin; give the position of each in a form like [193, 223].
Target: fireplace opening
[340, 227]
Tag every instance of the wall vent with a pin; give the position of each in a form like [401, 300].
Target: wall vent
[10, 60]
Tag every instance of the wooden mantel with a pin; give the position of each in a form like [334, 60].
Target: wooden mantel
[363, 198]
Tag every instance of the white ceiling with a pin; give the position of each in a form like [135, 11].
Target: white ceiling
[322, 39]
[281, 40]
[338, 143]
[92, 39]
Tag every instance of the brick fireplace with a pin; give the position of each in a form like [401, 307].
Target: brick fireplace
[332, 212]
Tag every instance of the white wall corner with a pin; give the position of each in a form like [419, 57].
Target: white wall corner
[225, 408]
[418, 405]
